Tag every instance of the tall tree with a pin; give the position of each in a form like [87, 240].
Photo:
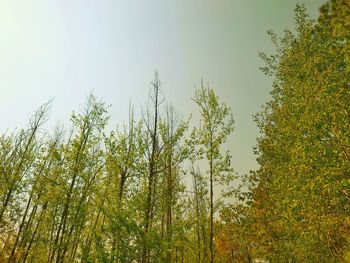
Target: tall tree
[304, 148]
[153, 151]
[83, 163]
[215, 127]
[172, 131]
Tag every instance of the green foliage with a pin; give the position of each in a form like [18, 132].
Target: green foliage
[299, 208]
[82, 195]
[215, 127]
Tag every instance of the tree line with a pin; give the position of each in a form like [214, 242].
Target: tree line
[160, 189]
[85, 195]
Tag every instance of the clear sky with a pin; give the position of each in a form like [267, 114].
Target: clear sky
[63, 49]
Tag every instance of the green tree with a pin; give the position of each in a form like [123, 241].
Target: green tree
[304, 148]
[215, 127]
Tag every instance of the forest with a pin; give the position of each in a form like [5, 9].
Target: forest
[161, 188]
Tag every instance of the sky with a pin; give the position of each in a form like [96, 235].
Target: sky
[65, 49]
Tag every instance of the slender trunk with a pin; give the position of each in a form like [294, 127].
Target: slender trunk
[62, 226]
[5, 204]
[94, 226]
[147, 217]
[52, 235]
[18, 169]
[169, 210]
[153, 131]
[197, 216]
[35, 231]
[116, 237]
[78, 225]
[19, 232]
[211, 205]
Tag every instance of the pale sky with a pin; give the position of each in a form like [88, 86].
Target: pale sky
[64, 49]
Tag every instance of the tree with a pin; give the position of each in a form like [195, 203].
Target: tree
[83, 163]
[18, 157]
[200, 204]
[125, 151]
[216, 125]
[152, 153]
[304, 148]
[172, 130]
